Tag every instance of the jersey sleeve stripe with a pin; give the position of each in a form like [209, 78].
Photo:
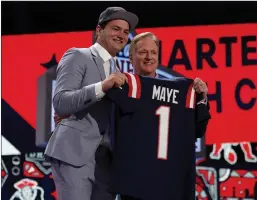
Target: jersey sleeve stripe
[134, 85]
[129, 84]
[190, 99]
[138, 86]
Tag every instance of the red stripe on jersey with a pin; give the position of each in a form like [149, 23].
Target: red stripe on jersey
[188, 96]
[194, 99]
[138, 95]
[191, 97]
[129, 84]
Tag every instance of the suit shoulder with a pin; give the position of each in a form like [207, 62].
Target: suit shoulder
[83, 50]
[74, 57]
[77, 51]
[77, 54]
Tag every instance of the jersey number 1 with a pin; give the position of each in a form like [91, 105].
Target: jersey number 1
[163, 133]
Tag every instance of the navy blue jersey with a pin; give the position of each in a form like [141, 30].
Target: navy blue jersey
[154, 153]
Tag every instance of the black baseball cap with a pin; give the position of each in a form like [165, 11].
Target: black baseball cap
[112, 13]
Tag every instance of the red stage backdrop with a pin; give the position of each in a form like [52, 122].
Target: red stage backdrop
[222, 55]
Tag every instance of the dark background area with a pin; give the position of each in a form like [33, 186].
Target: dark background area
[49, 17]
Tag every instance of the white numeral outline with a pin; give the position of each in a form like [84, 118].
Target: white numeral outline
[163, 131]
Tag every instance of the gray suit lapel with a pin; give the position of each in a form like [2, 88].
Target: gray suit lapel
[98, 61]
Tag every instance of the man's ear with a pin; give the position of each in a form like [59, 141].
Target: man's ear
[98, 29]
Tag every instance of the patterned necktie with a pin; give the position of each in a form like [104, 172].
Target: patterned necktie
[112, 65]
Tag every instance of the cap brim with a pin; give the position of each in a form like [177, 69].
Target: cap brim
[131, 18]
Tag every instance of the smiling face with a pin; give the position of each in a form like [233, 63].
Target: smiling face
[144, 56]
[113, 36]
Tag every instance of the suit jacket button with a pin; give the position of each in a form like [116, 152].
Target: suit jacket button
[87, 101]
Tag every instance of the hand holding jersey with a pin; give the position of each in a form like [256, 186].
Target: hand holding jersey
[201, 87]
[116, 79]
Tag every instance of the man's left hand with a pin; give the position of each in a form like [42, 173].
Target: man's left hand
[201, 87]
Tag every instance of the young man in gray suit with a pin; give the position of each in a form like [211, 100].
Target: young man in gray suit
[83, 77]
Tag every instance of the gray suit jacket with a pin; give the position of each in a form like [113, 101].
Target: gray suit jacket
[75, 139]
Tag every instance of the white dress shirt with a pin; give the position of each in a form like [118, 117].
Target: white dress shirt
[104, 54]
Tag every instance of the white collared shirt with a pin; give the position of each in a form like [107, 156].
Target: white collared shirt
[104, 54]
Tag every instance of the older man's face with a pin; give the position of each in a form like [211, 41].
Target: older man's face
[144, 57]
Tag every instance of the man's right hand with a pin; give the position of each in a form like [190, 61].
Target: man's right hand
[58, 118]
[116, 79]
